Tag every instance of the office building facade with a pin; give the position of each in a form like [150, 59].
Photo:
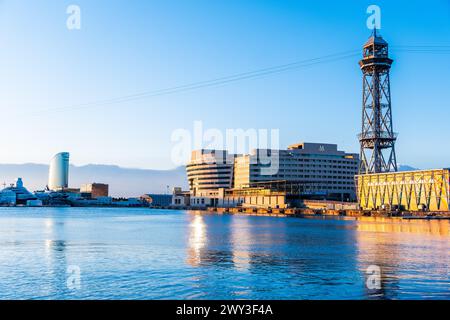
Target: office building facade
[304, 170]
[314, 170]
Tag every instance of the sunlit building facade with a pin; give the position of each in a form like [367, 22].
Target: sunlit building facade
[420, 190]
[304, 170]
[207, 172]
[316, 169]
[58, 177]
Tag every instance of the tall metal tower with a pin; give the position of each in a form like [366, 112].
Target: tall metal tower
[377, 137]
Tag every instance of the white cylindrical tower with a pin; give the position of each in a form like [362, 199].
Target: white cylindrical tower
[58, 177]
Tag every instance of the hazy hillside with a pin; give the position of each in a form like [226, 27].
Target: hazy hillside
[404, 167]
[122, 181]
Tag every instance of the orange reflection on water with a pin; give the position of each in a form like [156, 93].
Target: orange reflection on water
[398, 225]
[407, 252]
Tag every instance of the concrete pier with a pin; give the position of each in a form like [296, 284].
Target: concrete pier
[304, 212]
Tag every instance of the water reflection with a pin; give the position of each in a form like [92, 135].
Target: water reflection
[321, 255]
[241, 238]
[242, 243]
[55, 257]
[142, 254]
[409, 252]
[197, 239]
[392, 225]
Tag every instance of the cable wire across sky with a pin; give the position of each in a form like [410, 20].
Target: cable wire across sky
[428, 49]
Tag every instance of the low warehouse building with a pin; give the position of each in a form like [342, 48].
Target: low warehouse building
[420, 190]
[252, 198]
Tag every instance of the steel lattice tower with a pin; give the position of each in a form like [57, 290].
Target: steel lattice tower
[377, 137]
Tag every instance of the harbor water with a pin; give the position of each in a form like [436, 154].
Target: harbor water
[107, 253]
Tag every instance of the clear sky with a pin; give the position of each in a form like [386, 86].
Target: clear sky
[128, 47]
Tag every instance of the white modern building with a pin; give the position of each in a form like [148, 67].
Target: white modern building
[304, 170]
[58, 177]
[207, 172]
[314, 170]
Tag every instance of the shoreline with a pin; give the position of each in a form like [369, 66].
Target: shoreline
[281, 213]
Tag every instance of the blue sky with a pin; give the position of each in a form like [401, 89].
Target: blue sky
[128, 47]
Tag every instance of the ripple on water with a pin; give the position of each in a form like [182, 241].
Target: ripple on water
[145, 254]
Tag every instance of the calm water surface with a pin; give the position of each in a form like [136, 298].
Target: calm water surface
[155, 254]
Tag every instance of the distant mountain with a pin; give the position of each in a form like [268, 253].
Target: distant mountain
[404, 167]
[124, 182]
